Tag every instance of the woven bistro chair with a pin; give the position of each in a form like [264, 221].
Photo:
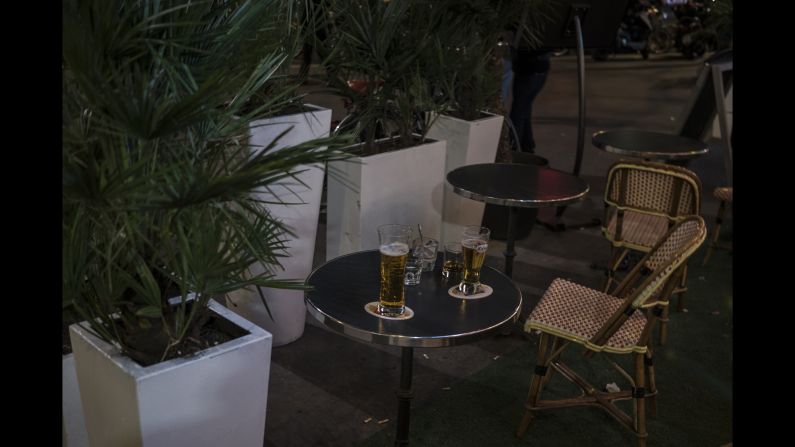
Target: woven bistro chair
[642, 201]
[620, 323]
[725, 196]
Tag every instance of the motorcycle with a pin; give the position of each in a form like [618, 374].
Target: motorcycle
[664, 25]
[692, 40]
[633, 32]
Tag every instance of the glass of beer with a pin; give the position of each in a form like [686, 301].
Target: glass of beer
[453, 264]
[474, 243]
[394, 243]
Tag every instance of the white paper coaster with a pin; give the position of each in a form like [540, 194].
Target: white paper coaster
[483, 292]
[372, 309]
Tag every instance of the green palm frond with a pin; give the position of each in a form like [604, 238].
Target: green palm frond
[158, 100]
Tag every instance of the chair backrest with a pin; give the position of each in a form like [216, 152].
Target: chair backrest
[669, 254]
[653, 188]
[653, 272]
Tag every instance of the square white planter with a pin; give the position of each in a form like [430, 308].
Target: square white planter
[74, 426]
[217, 397]
[398, 187]
[301, 215]
[468, 142]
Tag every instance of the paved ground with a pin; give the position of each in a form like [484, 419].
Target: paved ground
[323, 387]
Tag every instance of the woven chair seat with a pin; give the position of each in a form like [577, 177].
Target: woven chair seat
[724, 194]
[638, 230]
[576, 313]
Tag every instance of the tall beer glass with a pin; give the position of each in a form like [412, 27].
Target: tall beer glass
[394, 247]
[474, 243]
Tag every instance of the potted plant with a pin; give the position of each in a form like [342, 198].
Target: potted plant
[464, 65]
[159, 217]
[287, 120]
[74, 426]
[372, 54]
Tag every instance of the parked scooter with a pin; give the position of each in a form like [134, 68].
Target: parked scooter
[692, 40]
[664, 28]
[633, 32]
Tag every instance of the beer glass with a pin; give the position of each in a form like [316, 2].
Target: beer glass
[453, 264]
[394, 243]
[474, 243]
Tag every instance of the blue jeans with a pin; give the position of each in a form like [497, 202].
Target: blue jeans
[507, 79]
[525, 89]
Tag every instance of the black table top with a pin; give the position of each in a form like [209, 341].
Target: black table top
[517, 184]
[649, 145]
[343, 285]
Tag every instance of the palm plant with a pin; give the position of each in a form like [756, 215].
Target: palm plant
[463, 63]
[373, 55]
[157, 172]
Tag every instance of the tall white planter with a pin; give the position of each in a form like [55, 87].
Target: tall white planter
[468, 142]
[398, 187]
[301, 215]
[74, 426]
[217, 397]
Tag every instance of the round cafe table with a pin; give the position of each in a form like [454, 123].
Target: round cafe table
[516, 185]
[647, 145]
[342, 286]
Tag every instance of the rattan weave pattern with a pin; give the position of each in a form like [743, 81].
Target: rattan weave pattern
[576, 313]
[637, 229]
[650, 187]
[671, 253]
[724, 193]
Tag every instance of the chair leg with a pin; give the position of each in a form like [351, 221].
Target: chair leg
[616, 256]
[639, 397]
[556, 341]
[715, 233]
[649, 361]
[535, 384]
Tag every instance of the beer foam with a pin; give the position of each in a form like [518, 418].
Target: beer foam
[394, 249]
[479, 245]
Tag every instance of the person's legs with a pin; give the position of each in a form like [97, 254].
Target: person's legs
[306, 61]
[520, 107]
[525, 89]
[507, 80]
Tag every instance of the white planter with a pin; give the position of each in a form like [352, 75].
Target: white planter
[217, 397]
[468, 142]
[399, 187]
[74, 426]
[287, 306]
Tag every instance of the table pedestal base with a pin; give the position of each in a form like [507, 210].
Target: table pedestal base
[404, 395]
[509, 242]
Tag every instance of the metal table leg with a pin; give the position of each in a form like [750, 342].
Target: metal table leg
[404, 395]
[509, 242]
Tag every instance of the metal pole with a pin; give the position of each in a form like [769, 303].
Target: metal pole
[509, 241]
[558, 226]
[581, 94]
[404, 395]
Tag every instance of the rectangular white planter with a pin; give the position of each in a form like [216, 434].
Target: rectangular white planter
[74, 426]
[217, 397]
[398, 187]
[301, 215]
[468, 142]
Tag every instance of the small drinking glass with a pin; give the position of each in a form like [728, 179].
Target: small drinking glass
[453, 261]
[394, 247]
[414, 264]
[474, 243]
[426, 249]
